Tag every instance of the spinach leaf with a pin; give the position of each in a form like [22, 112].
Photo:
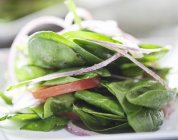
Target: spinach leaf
[61, 103]
[71, 35]
[39, 110]
[146, 120]
[99, 124]
[24, 117]
[87, 58]
[51, 50]
[152, 57]
[47, 124]
[139, 118]
[119, 90]
[152, 95]
[102, 114]
[131, 70]
[97, 50]
[59, 81]
[98, 100]
[28, 72]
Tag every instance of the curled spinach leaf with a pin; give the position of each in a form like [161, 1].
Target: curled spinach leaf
[51, 50]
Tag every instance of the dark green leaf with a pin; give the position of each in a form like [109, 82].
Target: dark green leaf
[99, 124]
[51, 50]
[102, 114]
[47, 124]
[119, 90]
[94, 48]
[146, 120]
[98, 100]
[151, 95]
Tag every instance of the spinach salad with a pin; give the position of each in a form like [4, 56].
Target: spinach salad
[89, 78]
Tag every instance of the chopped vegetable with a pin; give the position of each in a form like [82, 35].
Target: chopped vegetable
[66, 88]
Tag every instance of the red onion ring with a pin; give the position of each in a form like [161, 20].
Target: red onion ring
[74, 129]
[115, 47]
[77, 72]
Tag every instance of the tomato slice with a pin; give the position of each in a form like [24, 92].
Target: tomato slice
[66, 88]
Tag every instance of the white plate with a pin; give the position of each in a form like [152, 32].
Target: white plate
[169, 130]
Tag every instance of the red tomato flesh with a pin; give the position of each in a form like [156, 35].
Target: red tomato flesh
[66, 88]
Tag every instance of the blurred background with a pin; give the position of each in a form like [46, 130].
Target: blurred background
[141, 18]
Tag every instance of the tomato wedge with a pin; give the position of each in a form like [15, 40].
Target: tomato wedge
[66, 88]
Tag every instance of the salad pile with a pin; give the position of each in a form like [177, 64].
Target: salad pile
[89, 78]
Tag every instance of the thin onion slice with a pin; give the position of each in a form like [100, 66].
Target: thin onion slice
[74, 129]
[125, 47]
[77, 72]
[115, 47]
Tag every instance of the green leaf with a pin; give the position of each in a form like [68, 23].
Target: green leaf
[24, 117]
[84, 35]
[119, 90]
[131, 70]
[51, 50]
[28, 72]
[151, 95]
[99, 124]
[152, 57]
[59, 81]
[61, 103]
[100, 101]
[87, 57]
[5, 98]
[102, 114]
[146, 120]
[98, 50]
[47, 124]
[39, 110]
